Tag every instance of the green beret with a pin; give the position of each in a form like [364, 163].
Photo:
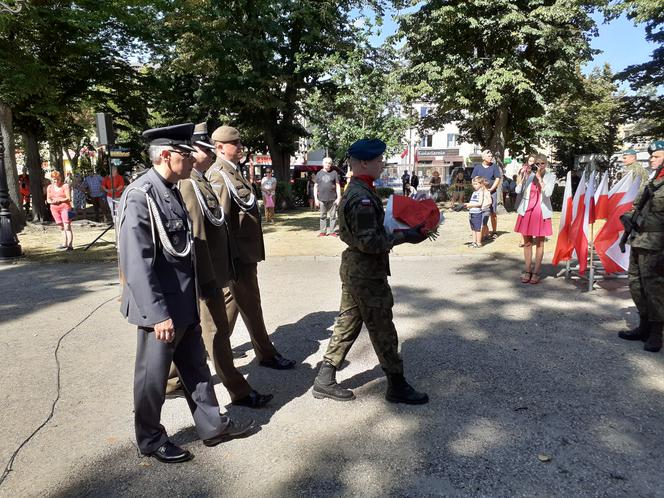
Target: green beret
[656, 145]
[367, 149]
[629, 152]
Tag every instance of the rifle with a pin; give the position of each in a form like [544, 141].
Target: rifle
[634, 220]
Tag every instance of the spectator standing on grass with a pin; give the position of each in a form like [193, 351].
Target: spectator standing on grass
[113, 185]
[269, 189]
[58, 197]
[97, 195]
[327, 193]
[434, 185]
[459, 187]
[310, 190]
[414, 181]
[507, 188]
[492, 173]
[24, 190]
[405, 183]
[78, 191]
[478, 207]
[534, 216]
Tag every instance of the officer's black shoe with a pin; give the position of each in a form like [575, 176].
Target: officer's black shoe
[170, 453]
[254, 400]
[325, 385]
[400, 391]
[233, 430]
[639, 333]
[654, 342]
[278, 362]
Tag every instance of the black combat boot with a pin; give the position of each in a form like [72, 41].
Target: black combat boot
[399, 391]
[654, 342]
[639, 333]
[325, 385]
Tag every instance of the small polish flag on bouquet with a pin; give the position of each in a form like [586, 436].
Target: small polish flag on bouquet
[403, 213]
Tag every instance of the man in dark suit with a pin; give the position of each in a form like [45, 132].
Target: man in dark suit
[214, 269]
[159, 297]
[244, 224]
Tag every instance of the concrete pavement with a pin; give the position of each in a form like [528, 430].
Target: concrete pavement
[516, 373]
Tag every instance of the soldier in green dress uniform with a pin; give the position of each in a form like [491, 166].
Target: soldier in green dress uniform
[646, 264]
[366, 296]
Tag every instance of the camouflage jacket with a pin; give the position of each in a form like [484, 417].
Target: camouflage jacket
[638, 170]
[361, 218]
[651, 233]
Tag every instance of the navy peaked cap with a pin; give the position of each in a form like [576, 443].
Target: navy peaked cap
[177, 136]
[656, 145]
[367, 149]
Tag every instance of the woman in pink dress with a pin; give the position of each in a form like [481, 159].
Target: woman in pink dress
[58, 197]
[534, 215]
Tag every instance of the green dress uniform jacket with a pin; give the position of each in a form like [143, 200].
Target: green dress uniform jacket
[646, 265]
[366, 296]
[244, 225]
[243, 218]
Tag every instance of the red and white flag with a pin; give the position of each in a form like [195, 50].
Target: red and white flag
[582, 236]
[618, 191]
[578, 210]
[404, 153]
[564, 246]
[602, 199]
[607, 242]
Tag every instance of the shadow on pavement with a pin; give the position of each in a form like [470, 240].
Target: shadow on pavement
[27, 286]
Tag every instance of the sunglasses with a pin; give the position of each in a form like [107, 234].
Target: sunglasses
[181, 152]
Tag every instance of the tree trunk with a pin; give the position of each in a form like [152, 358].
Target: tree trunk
[280, 158]
[7, 130]
[33, 162]
[498, 135]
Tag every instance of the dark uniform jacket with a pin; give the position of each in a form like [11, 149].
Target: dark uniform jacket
[651, 233]
[156, 285]
[211, 242]
[361, 218]
[244, 226]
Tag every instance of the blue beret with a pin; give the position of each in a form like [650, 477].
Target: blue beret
[656, 145]
[629, 152]
[367, 149]
[177, 136]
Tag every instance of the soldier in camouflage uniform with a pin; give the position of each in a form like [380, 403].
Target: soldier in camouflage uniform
[366, 296]
[646, 265]
[631, 165]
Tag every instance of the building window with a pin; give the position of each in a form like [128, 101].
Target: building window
[426, 141]
[452, 139]
[424, 111]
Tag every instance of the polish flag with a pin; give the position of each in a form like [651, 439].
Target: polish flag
[602, 199]
[564, 246]
[618, 191]
[607, 242]
[581, 237]
[404, 153]
[578, 209]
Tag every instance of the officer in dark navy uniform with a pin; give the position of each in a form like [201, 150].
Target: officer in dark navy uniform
[159, 297]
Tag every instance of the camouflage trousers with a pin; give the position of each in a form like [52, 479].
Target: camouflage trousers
[646, 284]
[371, 304]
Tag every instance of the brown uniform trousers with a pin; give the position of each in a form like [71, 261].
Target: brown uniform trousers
[243, 294]
[213, 267]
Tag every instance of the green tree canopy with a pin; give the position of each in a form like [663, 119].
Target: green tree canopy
[492, 66]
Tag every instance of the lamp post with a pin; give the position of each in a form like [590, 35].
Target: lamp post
[9, 246]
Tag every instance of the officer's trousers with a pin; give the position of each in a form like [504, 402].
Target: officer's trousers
[153, 361]
[372, 305]
[244, 297]
[646, 285]
[216, 336]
